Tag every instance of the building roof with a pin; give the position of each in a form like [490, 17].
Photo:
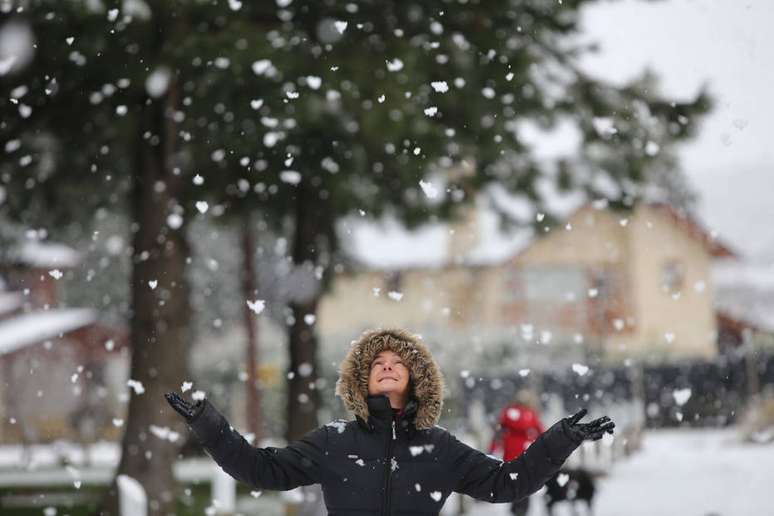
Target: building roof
[715, 247]
[745, 291]
[388, 245]
[44, 255]
[34, 327]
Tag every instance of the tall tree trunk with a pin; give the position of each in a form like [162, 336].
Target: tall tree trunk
[249, 292]
[160, 312]
[303, 398]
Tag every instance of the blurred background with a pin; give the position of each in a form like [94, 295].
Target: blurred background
[565, 198]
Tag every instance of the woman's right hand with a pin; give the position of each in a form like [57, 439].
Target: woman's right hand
[189, 411]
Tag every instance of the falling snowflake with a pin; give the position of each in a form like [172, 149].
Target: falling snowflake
[313, 82]
[431, 111]
[339, 425]
[186, 386]
[395, 65]
[580, 369]
[652, 148]
[56, 274]
[416, 450]
[165, 433]
[261, 67]
[157, 83]
[136, 386]
[681, 396]
[305, 369]
[395, 296]
[513, 414]
[256, 306]
[290, 177]
[174, 220]
[436, 495]
[429, 189]
[341, 26]
[202, 206]
[440, 86]
[604, 126]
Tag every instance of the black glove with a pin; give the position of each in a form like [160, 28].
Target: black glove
[189, 411]
[592, 431]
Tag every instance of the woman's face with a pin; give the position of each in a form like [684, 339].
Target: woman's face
[389, 375]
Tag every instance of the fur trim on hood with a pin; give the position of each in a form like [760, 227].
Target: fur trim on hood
[425, 377]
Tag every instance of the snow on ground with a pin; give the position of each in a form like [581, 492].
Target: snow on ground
[682, 473]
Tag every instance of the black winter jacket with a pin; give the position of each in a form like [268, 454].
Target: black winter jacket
[383, 465]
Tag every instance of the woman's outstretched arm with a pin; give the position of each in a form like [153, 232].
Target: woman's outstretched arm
[298, 464]
[486, 478]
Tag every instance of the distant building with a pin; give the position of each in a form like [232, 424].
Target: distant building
[603, 283]
[62, 372]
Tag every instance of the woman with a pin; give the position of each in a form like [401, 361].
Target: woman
[392, 459]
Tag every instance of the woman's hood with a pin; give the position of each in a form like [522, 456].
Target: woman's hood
[426, 379]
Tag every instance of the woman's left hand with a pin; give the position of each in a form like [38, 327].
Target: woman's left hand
[592, 431]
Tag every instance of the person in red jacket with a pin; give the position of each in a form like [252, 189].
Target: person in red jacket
[518, 427]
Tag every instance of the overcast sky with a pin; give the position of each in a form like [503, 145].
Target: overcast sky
[729, 46]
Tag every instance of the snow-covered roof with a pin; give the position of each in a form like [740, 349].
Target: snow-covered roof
[35, 327]
[737, 273]
[9, 301]
[46, 254]
[388, 245]
[745, 291]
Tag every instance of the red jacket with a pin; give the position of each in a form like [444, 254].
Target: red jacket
[519, 427]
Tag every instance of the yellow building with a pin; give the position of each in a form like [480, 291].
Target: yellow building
[611, 284]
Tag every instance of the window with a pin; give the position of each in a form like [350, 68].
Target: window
[548, 296]
[393, 281]
[672, 276]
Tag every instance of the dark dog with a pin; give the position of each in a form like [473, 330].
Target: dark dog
[571, 485]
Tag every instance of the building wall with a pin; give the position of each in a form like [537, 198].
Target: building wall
[594, 237]
[680, 322]
[51, 397]
[591, 247]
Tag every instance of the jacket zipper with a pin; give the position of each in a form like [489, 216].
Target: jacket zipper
[388, 471]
